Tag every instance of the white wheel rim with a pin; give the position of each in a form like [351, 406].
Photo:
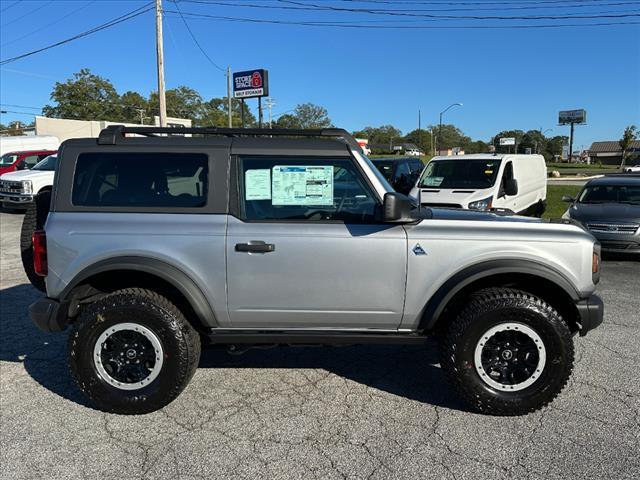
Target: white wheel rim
[144, 332]
[504, 327]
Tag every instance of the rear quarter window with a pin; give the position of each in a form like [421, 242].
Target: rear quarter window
[141, 180]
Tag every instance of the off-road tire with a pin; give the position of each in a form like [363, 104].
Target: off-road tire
[34, 218]
[180, 343]
[488, 308]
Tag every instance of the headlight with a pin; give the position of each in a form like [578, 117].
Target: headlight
[484, 204]
[27, 186]
[595, 263]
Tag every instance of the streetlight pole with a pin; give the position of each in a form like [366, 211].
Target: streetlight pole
[440, 125]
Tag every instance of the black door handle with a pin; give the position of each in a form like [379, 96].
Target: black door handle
[255, 247]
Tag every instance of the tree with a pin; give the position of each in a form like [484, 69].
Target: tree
[477, 146]
[84, 97]
[533, 139]
[134, 108]
[449, 136]
[628, 137]
[381, 136]
[553, 147]
[182, 102]
[305, 115]
[421, 138]
[517, 134]
[215, 114]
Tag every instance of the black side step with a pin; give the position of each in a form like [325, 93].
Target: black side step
[289, 337]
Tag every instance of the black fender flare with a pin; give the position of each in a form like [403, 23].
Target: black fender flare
[439, 300]
[159, 268]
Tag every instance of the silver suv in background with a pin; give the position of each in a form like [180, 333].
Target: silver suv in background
[609, 207]
[158, 245]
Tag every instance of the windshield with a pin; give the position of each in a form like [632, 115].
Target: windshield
[611, 194]
[48, 163]
[385, 167]
[480, 173]
[8, 159]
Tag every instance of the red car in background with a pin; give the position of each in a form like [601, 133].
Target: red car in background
[12, 161]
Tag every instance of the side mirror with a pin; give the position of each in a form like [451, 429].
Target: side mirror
[511, 186]
[568, 199]
[21, 166]
[396, 208]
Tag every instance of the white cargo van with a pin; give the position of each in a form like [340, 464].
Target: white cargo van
[484, 181]
[23, 143]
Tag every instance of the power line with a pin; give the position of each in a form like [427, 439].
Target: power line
[362, 26]
[123, 18]
[467, 8]
[19, 106]
[458, 17]
[9, 6]
[27, 14]
[48, 25]
[195, 40]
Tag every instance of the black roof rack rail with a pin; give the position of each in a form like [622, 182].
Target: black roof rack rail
[114, 134]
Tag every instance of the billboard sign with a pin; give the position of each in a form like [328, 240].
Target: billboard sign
[250, 84]
[507, 141]
[566, 117]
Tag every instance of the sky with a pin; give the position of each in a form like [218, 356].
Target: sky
[506, 78]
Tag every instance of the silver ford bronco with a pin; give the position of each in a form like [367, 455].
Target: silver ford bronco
[155, 245]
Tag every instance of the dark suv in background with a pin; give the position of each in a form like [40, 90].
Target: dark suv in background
[609, 207]
[401, 173]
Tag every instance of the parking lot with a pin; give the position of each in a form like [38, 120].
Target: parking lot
[349, 412]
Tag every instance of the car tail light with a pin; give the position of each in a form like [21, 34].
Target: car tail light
[40, 253]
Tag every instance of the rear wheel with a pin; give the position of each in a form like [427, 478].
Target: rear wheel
[34, 219]
[508, 352]
[132, 352]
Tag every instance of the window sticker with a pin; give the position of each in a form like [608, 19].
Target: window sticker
[433, 181]
[302, 185]
[257, 184]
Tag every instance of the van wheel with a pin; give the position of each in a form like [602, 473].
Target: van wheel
[132, 352]
[508, 352]
[34, 219]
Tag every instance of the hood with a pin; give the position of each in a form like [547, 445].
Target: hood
[605, 212]
[445, 196]
[27, 175]
[477, 215]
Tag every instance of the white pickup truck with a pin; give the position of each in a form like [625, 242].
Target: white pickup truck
[18, 189]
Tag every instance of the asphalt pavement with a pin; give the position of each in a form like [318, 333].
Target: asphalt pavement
[350, 412]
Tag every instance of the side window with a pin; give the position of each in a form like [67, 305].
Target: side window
[307, 189]
[506, 175]
[402, 170]
[416, 166]
[141, 180]
[29, 162]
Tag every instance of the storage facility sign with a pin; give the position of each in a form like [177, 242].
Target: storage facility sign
[507, 141]
[252, 83]
[572, 116]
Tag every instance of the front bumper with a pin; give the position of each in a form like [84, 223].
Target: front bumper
[591, 312]
[16, 198]
[49, 315]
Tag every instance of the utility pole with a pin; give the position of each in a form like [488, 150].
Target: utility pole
[259, 112]
[229, 95]
[270, 104]
[141, 112]
[160, 58]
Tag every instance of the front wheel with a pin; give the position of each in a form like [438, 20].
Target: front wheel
[132, 352]
[508, 352]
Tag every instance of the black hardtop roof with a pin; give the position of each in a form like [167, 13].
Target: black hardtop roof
[624, 179]
[252, 137]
